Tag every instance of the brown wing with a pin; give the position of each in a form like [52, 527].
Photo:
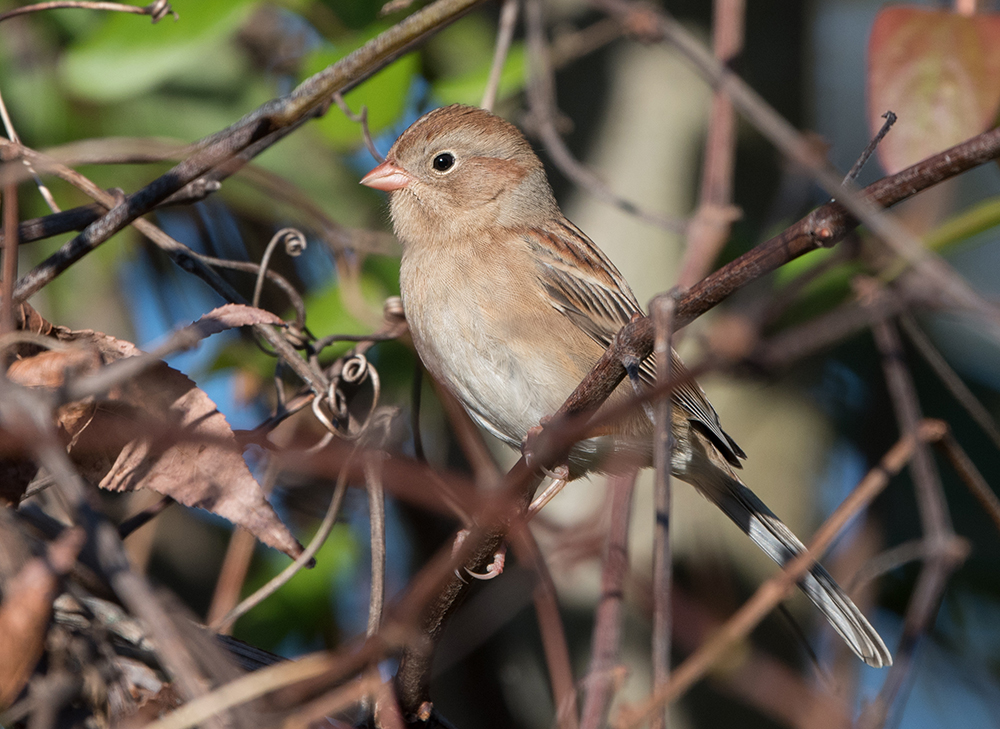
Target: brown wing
[586, 287]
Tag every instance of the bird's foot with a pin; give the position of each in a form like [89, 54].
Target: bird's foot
[495, 568]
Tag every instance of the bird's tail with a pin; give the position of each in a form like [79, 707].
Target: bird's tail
[779, 543]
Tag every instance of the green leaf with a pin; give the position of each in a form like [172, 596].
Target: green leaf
[128, 55]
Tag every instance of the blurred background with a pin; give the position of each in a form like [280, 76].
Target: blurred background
[91, 83]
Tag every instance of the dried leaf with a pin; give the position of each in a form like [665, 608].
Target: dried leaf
[230, 316]
[939, 72]
[25, 612]
[30, 320]
[158, 430]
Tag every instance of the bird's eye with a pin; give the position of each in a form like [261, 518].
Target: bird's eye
[443, 162]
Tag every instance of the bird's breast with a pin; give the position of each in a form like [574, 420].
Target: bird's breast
[481, 327]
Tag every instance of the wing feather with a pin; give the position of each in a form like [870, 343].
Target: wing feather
[584, 285]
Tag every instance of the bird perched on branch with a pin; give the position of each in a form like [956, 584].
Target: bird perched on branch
[510, 305]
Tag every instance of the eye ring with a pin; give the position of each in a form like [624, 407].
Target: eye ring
[443, 162]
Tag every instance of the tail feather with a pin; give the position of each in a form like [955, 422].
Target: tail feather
[779, 543]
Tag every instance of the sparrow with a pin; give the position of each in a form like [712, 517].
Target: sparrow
[510, 305]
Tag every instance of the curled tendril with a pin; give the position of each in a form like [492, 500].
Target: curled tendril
[317, 408]
[355, 369]
[295, 243]
[331, 407]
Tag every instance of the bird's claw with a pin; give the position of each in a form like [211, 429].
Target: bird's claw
[495, 568]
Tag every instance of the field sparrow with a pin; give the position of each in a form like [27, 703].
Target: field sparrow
[510, 305]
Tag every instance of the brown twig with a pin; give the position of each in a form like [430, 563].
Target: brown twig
[954, 384]
[662, 310]
[570, 45]
[12, 134]
[603, 674]
[973, 479]
[133, 523]
[325, 527]
[156, 10]
[709, 228]
[378, 433]
[505, 35]
[232, 576]
[938, 533]
[9, 270]
[859, 163]
[553, 633]
[361, 118]
[245, 689]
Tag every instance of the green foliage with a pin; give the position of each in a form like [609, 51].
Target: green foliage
[302, 610]
[121, 59]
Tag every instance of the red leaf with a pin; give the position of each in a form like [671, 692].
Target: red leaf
[939, 72]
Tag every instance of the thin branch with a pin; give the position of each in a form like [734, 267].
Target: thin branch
[935, 522]
[136, 522]
[601, 678]
[859, 164]
[236, 562]
[9, 270]
[244, 689]
[156, 10]
[973, 479]
[13, 136]
[505, 34]
[361, 119]
[316, 711]
[902, 554]
[709, 228]
[552, 630]
[379, 433]
[959, 390]
[662, 310]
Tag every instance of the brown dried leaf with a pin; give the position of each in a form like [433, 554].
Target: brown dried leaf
[48, 368]
[30, 320]
[158, 430]
[939, 72]
[25, 612]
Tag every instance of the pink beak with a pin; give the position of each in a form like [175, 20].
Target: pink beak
[386, 177]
